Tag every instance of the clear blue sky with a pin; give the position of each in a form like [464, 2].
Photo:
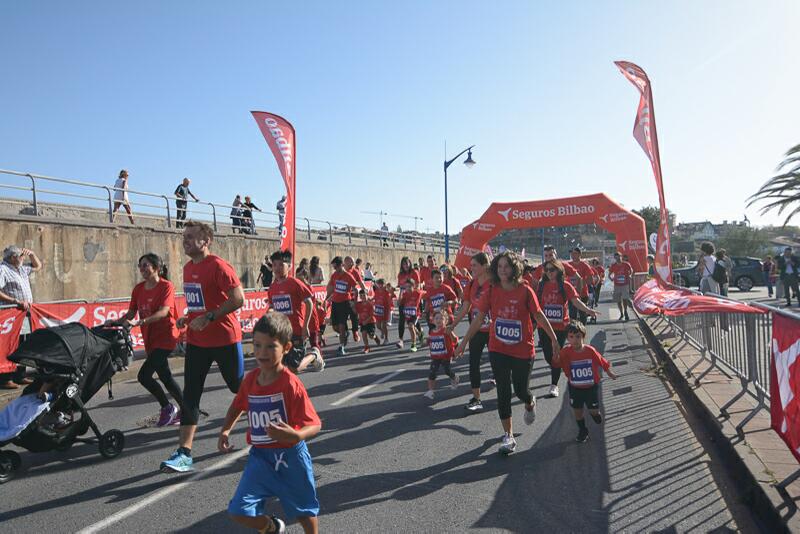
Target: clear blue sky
[374, 88]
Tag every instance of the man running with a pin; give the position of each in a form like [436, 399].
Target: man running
[620, 273]
[340, 292]
[294, 299]
[581, 282]
[355, 272]
[213, 293]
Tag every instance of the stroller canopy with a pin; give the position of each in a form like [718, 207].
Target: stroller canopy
[70, 347]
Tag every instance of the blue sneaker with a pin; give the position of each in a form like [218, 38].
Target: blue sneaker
[178, 462]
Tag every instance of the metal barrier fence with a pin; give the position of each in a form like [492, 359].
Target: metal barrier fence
[156, 210]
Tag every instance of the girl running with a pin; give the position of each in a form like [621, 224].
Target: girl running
[441, 341]
[513, 308]
[154, 301]
[409, 309]
[383, 308]
[450, 279]
[406, 272]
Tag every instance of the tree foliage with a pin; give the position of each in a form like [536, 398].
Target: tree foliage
[782, 191]
[745, 241]
[652, 218]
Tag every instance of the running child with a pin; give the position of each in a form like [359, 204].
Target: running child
[339, 292]
[442, 343]
[383, 308]
[581, 363]
[409, 308]
[438, 297]
[366, 318]
[280, 419]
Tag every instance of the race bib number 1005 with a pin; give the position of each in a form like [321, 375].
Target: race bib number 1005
[263, 410]
[508, 331]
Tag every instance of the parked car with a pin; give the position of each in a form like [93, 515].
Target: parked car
[746, 274]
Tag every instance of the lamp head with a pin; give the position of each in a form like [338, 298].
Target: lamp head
[469, 162]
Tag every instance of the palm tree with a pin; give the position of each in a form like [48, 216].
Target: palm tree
[783, 190]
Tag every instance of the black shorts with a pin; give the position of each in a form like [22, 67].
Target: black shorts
[434, 369]
[340, 312]
[368, 329]
[578, 397]
[294, 357]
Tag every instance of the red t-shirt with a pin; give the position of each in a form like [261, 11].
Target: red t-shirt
[366, 312]
[161, 334]
[585, 272]
[474, 292]
[409, 303]
[402, 277]
[454, 284]
[436, 297]
[512, 319]
[358, 277]
[620, 273]
[205, 286]
[383, 304]
[442, 345]
[284, 400]
[321, 308]
[582, 368]
[599, 271]
[341, 285]
[287, 296]
[425, 275]
[528, 278]
[555, 306]
[569, 272]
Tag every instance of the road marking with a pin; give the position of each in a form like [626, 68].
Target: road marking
[358, 392]
[160, 494]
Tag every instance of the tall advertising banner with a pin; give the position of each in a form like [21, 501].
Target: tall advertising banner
[644, 131]
[11, 320]
[785, 381]
[280, 137]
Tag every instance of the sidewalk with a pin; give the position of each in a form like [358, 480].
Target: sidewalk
[761, 460]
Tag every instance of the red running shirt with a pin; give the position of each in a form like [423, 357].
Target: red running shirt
[585, 272]
[554, 305]
[366, 312]
[383, 304]
[205, 286]
[425, 275]
[569, 271]
[287, 296]
[409, 303]
[474, 292]
[341, 285]
[284, 400]
[402, 277]
[582, 368]
[435, 298]
[512, 312]
[620, 273]
[442, 345]
[161, 334]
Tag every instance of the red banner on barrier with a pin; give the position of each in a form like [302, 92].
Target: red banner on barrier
[652, 298]
[11, 321]
[785, 381]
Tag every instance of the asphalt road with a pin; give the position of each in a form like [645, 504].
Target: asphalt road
[389, 460]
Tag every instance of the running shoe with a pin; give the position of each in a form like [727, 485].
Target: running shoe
[583, 436]
[178, 462]
[167, 415]
[356, 337]
[413, 348]
[176, 421]
[509, 444]
[342, 351]
[454, 382]
[492, 383]
[474, 405]
[553, 391]
[428, 394]
[318, 364]
[626, 317]
[530, 415]
[366, 350]
[597, 418]
[279, 525]
[400, 344]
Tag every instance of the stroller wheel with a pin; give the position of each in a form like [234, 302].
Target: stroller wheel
[10, 461]
[112, 443]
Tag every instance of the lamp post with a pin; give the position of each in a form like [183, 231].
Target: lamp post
[469, 162]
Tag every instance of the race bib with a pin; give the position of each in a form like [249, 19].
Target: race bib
[282, 303]
[508, 331]
[379, 310]
[554, 313]
[341, 287]
[574, 280]
[263, 410]
[194, 297]
[582, 373]
[409, 311]
[438, 347]
[437, 301]
[621, 279]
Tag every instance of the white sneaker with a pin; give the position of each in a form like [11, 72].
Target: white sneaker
[454, 382]
[318, 364]
[508, 445]
[530, 416]
[400, 344]
[428, 394]
[554, 391]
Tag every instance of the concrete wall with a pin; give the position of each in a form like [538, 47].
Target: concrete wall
[87, 260]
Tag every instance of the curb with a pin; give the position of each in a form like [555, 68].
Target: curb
[754, 494]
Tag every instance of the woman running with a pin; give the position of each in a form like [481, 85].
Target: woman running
[555, 295]
[406, 272]
[513, 308]
[154, 301]
[481, 278]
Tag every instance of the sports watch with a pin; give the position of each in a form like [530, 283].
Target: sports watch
[210, 316]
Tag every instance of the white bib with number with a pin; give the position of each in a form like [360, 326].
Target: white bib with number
[438, 347]
[379, 310]
[554, 313]
[437, 301]
[263, 410]
[193, 293]
[508, 331]
[341, 286]
[282, 303]
[409, 311]
[581, 373]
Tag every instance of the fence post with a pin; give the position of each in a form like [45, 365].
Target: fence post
[308, 225]
[169, 219]
[214, 215]
[33, 194]
[330, 232]
[110, 204]
[349, 235]
[708, 348]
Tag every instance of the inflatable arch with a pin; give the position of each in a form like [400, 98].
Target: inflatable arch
[628, 228]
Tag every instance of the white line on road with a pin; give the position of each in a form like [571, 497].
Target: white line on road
[160, 494]
[358, 392]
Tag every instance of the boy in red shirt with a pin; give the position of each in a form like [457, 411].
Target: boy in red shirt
[280, 419]
[438, 297]
[341, 286]
[366, 318]
[442, 346]
[581, 363]
[409, 307]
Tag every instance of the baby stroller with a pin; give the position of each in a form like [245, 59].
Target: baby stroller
[72, 363]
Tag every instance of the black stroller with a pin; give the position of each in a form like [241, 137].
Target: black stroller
[72, 363]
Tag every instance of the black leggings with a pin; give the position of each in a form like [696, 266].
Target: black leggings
[196, 365]
[547, 349]
[156, 363]
[476, 346]
[353, 319]
[401, 324]
[510, 371]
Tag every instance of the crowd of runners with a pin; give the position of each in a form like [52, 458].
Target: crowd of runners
[505, 301]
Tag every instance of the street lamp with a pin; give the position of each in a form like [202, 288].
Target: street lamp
[469, 162]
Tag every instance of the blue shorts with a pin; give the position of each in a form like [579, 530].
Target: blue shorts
[283, 473]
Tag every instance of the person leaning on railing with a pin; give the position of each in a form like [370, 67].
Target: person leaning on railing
[182, 192]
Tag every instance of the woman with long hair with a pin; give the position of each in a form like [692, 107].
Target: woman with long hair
[316, 275]
[406, 271]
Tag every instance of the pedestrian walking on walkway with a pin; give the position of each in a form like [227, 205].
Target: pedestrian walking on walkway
[789, 270]
[121, 196]
[768, 269]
